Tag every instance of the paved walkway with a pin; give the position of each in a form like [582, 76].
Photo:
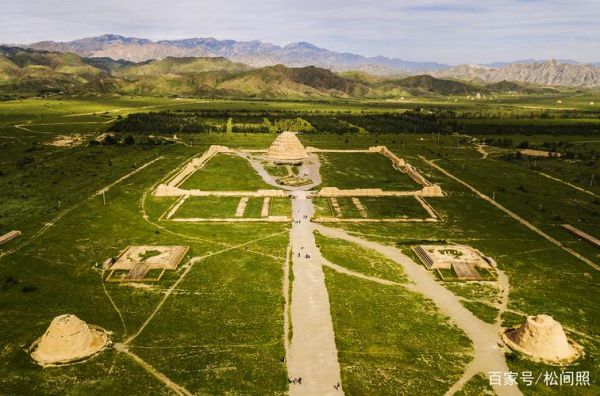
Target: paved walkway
[313, 354]
[309, 169]
[488, 356]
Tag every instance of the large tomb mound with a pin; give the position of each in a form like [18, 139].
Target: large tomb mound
[68, 339]
[287, 147]
[542, 338]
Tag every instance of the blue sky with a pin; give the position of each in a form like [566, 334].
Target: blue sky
[436, 30]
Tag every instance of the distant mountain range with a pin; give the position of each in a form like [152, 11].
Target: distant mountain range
[256, 54]
[252, 53]
[549, 73]
[26, 72]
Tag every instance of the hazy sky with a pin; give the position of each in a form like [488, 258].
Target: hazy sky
[438, 30]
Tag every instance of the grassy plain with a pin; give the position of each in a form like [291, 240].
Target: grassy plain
[221, 330]
[280, 207]
[225, 172]
[363, 170]
[254, 207]
[208, 207]
[358, 259]
[393, 208]
[388, 339]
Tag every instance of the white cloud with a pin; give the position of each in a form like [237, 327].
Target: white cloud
[441, 30]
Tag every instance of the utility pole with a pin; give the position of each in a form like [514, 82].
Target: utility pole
[592, 181]
[103, 198]
[494, 196]
[59, 204]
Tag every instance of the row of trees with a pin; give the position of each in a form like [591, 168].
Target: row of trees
[433, 120]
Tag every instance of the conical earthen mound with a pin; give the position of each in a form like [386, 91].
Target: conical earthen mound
[287, 147]
[67, 339]
[542, 337]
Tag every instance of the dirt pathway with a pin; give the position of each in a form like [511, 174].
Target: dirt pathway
[100, 112]
[23, 128]
[112, 302]
[312, 353]
[480, 148]
[127, 176]
[187, 267]
[489, 357]
[62, 214]
[569, 184]
[176, 388]
[513, 215]
[346, 271]
[309, 169]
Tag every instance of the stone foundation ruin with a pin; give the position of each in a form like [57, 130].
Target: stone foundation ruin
[134, 264]
[464, 261]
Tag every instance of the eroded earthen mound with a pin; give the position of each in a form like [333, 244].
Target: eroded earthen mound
[287, 147]
[543, 338]
[68, 339]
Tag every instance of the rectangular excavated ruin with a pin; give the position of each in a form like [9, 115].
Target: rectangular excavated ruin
[463, 261]
[145, 263]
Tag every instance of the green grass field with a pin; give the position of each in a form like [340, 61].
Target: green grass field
[363, 170]
[220, 331]
[225, 173]
[393, 208]
[358, 259]
[349, 210]
[254, 208]
[322, 207]
[280, 207]
[389, 339]
[207, 207]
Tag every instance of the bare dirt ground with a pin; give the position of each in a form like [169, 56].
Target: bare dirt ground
[66, 141]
